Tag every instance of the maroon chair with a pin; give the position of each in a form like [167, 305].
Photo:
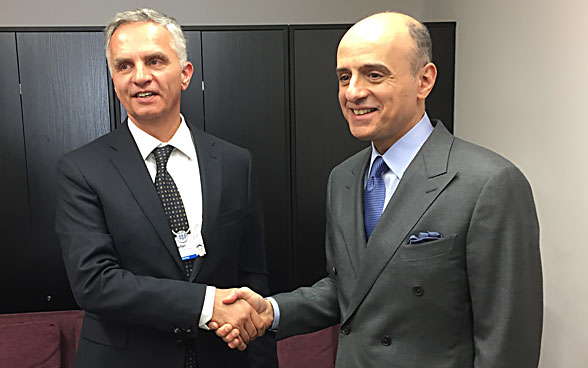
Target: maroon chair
[50, 340]
[39, 340]
[313, 350]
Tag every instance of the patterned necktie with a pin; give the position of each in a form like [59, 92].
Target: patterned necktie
[374, 196]
[176, 216]
[170, 196]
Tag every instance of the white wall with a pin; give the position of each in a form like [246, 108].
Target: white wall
[521, 78]
[198, 12]
[520, 90]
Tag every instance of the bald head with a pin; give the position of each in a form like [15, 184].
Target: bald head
[384, 77]
[390, 28]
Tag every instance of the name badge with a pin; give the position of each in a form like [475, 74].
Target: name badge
[190, 245]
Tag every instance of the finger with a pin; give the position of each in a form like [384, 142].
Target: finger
[212, 325]
[251, 330]
[258, 323]
[232, 297]
[233, 335]
[238, 344]
[224, 331]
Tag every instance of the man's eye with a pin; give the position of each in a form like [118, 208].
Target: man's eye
[374, 75]
[154, 62]
[344, 78]
[123, 67]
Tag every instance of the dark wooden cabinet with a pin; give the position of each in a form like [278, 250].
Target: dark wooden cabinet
[271, 89]
[64, 104]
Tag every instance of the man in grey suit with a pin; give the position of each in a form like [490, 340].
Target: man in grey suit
[450, 274]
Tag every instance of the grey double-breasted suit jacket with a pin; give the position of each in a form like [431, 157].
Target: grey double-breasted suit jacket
[470, 299]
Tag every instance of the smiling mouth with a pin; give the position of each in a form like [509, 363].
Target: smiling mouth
[144, 94]
[362, 111]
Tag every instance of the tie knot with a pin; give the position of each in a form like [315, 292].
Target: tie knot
[162, 155]
[379, 167]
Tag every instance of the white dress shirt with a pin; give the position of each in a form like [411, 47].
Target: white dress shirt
[183, 168]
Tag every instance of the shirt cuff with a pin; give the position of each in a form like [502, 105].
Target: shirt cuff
[206, 314]
[276, 322]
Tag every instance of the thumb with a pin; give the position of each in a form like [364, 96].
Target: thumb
[232, 297]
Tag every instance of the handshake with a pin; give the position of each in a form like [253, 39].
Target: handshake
[240, 315]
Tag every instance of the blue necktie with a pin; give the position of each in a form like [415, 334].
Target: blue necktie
[374, 196]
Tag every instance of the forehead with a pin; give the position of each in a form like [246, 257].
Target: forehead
[380, 39]
[354, 53]
[140, 37]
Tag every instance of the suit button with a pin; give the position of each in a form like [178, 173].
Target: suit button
[188, 331]
[334, 270]
[418, 290]
[345, 330]
[386, 340]
[177, 331]
[179, 342]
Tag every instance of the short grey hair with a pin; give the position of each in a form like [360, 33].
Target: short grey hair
[178, 43]
[423, 51]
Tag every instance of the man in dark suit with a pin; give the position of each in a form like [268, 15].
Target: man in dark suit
[154, 214]
[432, 243]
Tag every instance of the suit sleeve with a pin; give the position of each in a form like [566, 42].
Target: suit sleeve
[100, 284]
[504, 273]
[309, 309]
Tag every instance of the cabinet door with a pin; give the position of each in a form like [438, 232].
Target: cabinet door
[440, 101]
[322, 141]
[14, 211]
[65, 105]
[192, 104]
[245, 96]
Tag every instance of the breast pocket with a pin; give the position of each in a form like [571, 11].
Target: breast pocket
[426, 250]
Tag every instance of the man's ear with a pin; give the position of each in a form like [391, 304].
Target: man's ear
[187, 73]
[427, 77]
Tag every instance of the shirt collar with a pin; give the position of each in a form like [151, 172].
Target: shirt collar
[402, 152]
[181, 140]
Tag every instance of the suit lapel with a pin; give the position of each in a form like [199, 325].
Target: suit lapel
[423, 181]
[128, 161]
[351, 213]
[210, 165]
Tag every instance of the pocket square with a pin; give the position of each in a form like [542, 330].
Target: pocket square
[424, 237]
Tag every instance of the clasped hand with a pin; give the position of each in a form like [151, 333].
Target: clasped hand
[239, 316]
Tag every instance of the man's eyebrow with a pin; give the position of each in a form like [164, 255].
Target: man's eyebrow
[365, 67]
[119, 61]
[159, 55]
[377, 66]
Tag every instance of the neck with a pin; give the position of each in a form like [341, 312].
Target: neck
[383, 145]
[162, 129]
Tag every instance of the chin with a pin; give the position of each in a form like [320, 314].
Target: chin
[361, 133]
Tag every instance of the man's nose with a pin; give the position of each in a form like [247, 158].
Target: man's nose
[356, 90]
[142, 74]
